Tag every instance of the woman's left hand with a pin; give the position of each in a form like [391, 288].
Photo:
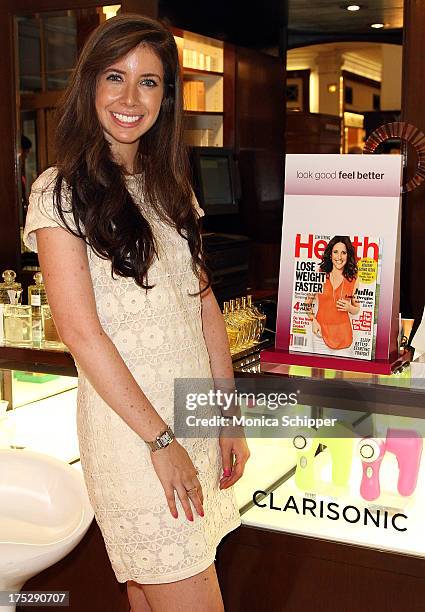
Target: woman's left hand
[234, 453]
[343, 305]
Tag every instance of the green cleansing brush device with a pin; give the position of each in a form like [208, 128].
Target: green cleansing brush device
[340, 444]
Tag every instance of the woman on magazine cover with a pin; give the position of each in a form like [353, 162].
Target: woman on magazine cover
[331, 325]
[117, 231]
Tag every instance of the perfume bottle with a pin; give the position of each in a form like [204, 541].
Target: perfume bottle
[232, 330]
[251, 322]
[239, 323]
[37, 295]
[36, 299]
[9, 284]
[234, 321]
[17, 320]
[49, 327]
[239, 315]
[261, 318]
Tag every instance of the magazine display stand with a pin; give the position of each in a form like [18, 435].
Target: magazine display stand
[339, 285]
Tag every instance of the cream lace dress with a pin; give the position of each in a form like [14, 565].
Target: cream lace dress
[159, 335]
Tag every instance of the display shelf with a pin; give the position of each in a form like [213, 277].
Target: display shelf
[394, 394]
[28, 387]
[52, 358]
[253, 351]
[202, 62]
[36, 345]
[201, 52]
[203, 129]
[408, 512]
[194, 113]
[198, 71]
[203, 92]
[364, 554]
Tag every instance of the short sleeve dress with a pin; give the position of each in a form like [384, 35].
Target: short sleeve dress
[159, 336]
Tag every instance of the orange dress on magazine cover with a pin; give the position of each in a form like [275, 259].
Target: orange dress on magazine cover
[335, 324]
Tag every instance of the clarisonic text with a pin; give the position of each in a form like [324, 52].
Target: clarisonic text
[320, 509]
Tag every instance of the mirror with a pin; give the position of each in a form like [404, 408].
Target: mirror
[343, 74]
[46, 50]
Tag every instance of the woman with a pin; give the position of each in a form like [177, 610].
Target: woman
[331, 326]
[117, 234]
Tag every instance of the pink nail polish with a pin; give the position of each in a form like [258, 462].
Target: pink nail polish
[175, 515]
[191, 518]
[202, 514]
[227, 472]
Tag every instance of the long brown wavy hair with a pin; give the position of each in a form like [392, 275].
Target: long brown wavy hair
[104, 212]
[350, 268]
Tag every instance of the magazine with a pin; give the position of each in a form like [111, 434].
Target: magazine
[335, 295]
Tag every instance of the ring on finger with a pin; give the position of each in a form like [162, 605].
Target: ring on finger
[192, 489]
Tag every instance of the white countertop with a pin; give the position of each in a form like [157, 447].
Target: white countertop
[411, 542]
[45, 426]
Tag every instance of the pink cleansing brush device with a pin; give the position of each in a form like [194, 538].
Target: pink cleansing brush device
[406, 445]
[372, 451]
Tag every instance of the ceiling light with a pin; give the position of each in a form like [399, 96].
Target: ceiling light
[377, 25]
[111, 11]
[353, 7]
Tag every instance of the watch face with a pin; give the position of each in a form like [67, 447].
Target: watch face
[165, 438]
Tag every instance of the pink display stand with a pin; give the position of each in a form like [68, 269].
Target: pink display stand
[322, 361]
[343, 195]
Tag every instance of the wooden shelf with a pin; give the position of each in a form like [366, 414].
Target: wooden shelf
[202, 61]
[50, 361]
[190, 113]
[201, 72]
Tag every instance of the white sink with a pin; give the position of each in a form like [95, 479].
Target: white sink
[44, 513]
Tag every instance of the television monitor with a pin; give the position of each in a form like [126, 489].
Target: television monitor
[215, 179]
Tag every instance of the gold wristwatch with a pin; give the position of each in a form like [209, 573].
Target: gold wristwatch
[162, 440]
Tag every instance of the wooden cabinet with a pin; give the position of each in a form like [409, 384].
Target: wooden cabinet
[260, 148]
[266, 570]
[206, 73]
[312, 133]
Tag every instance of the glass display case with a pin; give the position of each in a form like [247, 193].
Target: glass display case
[357, 479]
[38, 389]
[322, 536]
[314, 526]
[38, 413]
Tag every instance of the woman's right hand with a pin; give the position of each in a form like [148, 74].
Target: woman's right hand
[176, 472]
[317, 330]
